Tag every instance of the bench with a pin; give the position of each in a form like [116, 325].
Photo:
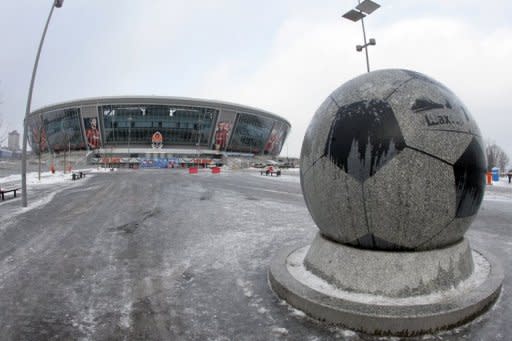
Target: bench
[77, 175]
[9, 187]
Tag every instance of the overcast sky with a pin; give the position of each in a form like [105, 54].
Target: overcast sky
[284, 56]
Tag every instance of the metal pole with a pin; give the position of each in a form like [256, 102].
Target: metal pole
[198, 135]
[24, 201]
[365, 44]
[65, 159]
[365, 47]
[129, 135]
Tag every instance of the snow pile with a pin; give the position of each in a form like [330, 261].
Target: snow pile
[348, 333]
[280, 331]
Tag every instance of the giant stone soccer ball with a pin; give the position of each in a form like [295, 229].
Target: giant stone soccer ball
[392, 160]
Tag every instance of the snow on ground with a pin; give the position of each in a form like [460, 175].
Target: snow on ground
[47, 178]
[499, 191]
[100, 170]
[502, 183]
[50, 183]
[280, 331]
[497, 197]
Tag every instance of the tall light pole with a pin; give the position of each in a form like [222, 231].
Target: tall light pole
[129, 135]
[199, 122]
[24, 203]
[368, 7]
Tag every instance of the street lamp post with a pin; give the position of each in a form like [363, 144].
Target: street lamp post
[198, 144]
[129, 134]
[24, 203]
[368, 7]
[69, 155]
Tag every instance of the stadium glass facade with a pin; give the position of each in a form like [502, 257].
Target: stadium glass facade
[178, 125]
[118, 122]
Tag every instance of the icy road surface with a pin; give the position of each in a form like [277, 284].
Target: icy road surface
[164, 255]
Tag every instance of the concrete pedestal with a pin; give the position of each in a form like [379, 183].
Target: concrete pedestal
[387, 293]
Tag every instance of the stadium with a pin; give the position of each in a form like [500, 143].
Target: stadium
[155, 130]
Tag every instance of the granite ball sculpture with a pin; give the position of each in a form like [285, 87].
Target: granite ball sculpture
[400, 149]
[392, 170]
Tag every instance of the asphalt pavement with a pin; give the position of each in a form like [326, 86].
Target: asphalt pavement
[166, 255]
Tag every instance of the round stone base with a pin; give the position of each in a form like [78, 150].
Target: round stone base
[390, 274]
[379, 313]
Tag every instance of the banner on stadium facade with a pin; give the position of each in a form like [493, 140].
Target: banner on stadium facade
[92, 133]
[276, 139]
[157, 140]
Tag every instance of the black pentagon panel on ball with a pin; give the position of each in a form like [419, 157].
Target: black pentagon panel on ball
[364, 136]
[469, 171]
[425, 104]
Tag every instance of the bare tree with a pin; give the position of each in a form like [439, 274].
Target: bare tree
[496, 157]
[37, 138]
[502, 164]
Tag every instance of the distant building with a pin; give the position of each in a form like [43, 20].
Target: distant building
[13, 141]
[157, 127]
